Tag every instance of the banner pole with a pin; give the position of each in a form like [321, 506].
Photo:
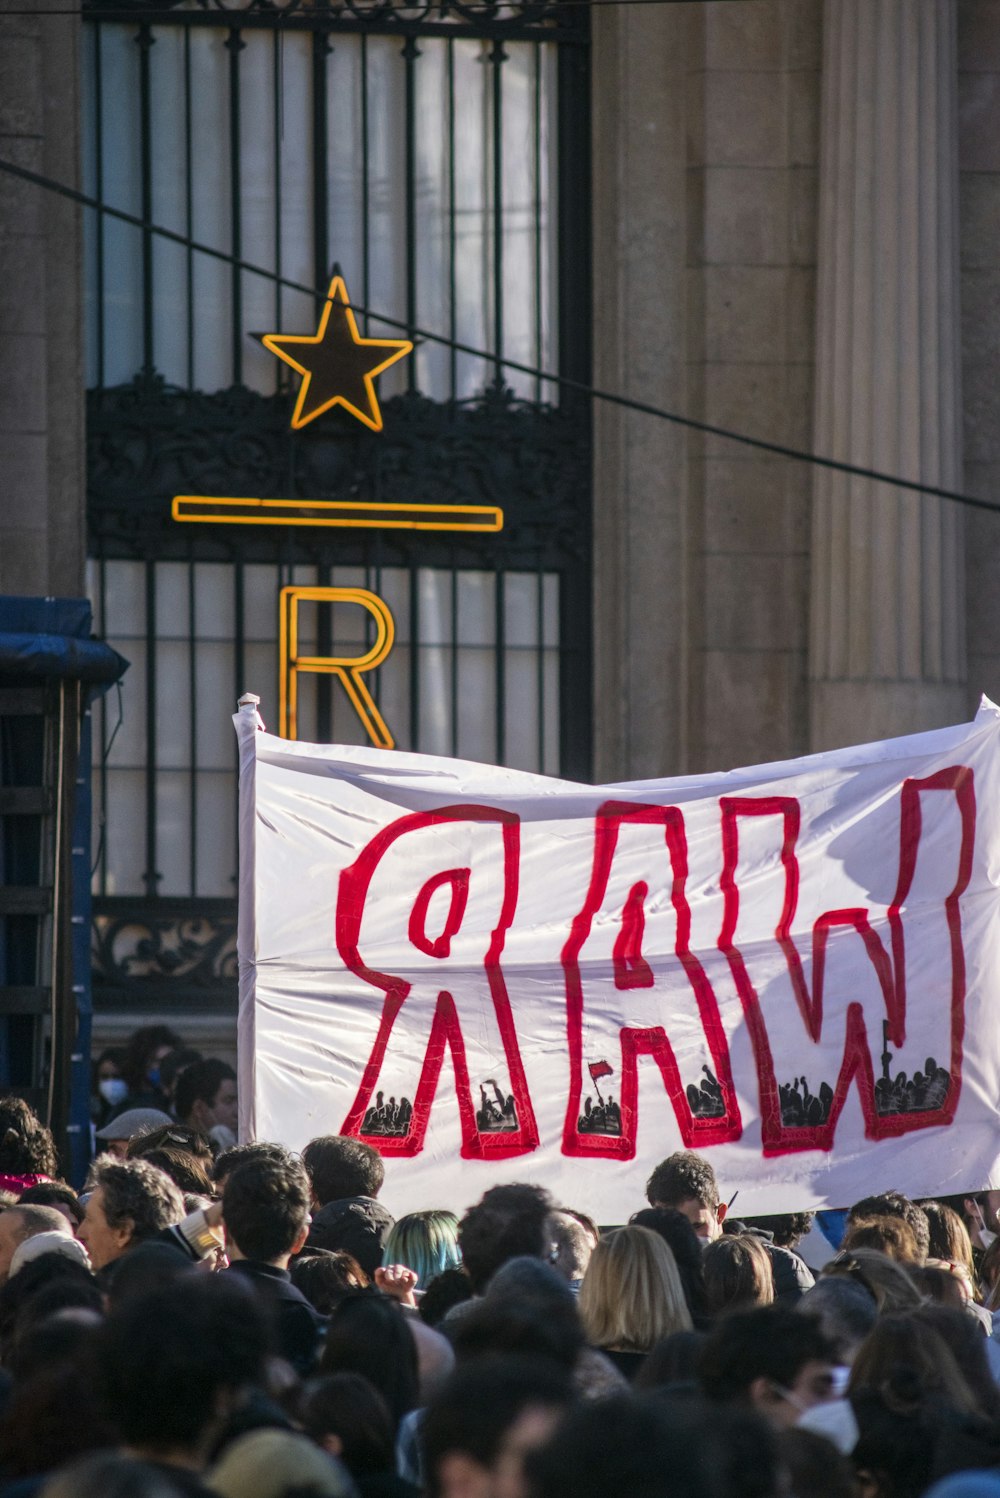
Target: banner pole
[248, 723]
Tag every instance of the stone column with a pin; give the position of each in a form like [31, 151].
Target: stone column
[887, 636]
[640, 472]
[42, 524]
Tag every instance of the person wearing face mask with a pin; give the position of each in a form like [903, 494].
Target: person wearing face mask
[140, 1068]
[109, 1087]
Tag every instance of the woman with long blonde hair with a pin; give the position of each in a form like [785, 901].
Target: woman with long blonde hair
[632, 1296]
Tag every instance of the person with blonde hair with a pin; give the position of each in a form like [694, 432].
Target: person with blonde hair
[738, 1276]
[631, 1296]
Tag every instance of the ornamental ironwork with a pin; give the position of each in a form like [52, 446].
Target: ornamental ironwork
[514, 20]
[148, 441]
[167, 951]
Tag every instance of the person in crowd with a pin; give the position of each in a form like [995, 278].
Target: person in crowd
[686, 1182]
[106, 1474]
[632, 1296]
[273, 1463]
[737, 1271]
[346, 1415]
[654, 1448]
[687, 1248]
[506, 1222]
[886, 1281]
[573, 1241]
[53, 1416]
[450, 1289]
[325, 1277]
[895, 1204]
[55, 1194]
[672, 1364]
[907, 1354]
[785, 1229]
[425, 1242]
[970, 1348]
[145, 1050]
[892, 1236]
[527, 1309]
[346, 1176]
[846, 1312]
[978, 1211]
[174, 1363]
[116, 1136]
[173, 1063]
[174, 1136]
[19, 1223]
[487, 1419]
[108, 1086]
[533, 1391]
[265, 1210]
[241, 1154]
[770, 1359]
[205, 1099]
[949, 1243]
[370, 1335]
[27, 1149]
[130, 1202]
[188, 1173]
[814, 1466]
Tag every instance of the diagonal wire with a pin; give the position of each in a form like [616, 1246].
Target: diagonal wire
[625, 402]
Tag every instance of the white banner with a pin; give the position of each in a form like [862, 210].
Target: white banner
[494, 976]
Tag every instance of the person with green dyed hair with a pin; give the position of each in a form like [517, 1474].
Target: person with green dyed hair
[426, 1242]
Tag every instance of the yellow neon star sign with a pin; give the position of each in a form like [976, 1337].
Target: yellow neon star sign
[338, 366]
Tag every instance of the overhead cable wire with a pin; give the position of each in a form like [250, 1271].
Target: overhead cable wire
[566, 382]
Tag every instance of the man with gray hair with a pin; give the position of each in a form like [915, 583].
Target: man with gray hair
[130, 1203]
[19, 1223]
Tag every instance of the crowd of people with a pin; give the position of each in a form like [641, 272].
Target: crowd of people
[211, 1317]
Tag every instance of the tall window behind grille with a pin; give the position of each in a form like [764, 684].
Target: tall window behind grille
[474, 673]
[424, 169]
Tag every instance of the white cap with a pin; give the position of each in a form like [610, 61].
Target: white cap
[48, 1243]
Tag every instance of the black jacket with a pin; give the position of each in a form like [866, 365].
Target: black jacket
[298, 1326]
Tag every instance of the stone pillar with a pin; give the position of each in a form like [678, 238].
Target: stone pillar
[887, 629]
[640, 474]
[42, 524]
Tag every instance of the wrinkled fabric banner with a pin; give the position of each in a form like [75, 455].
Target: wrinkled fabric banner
[495, 976]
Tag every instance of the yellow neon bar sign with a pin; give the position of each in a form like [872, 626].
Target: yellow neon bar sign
[205, 509]
[349, 669]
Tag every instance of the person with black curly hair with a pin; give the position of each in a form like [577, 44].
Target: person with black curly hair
[27, 1149]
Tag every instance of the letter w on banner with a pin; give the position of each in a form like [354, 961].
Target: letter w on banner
[495, 976]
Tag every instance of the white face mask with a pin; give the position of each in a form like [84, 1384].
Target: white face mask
[113, 1090]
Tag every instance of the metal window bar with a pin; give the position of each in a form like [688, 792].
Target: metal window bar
[496, 220]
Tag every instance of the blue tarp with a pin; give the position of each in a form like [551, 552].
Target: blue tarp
[47, 655]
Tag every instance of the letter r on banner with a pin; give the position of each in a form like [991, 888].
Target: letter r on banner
[420, 1019]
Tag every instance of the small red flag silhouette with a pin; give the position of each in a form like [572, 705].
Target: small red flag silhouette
[599, 1069]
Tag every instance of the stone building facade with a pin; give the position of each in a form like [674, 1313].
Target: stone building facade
[795, 208]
